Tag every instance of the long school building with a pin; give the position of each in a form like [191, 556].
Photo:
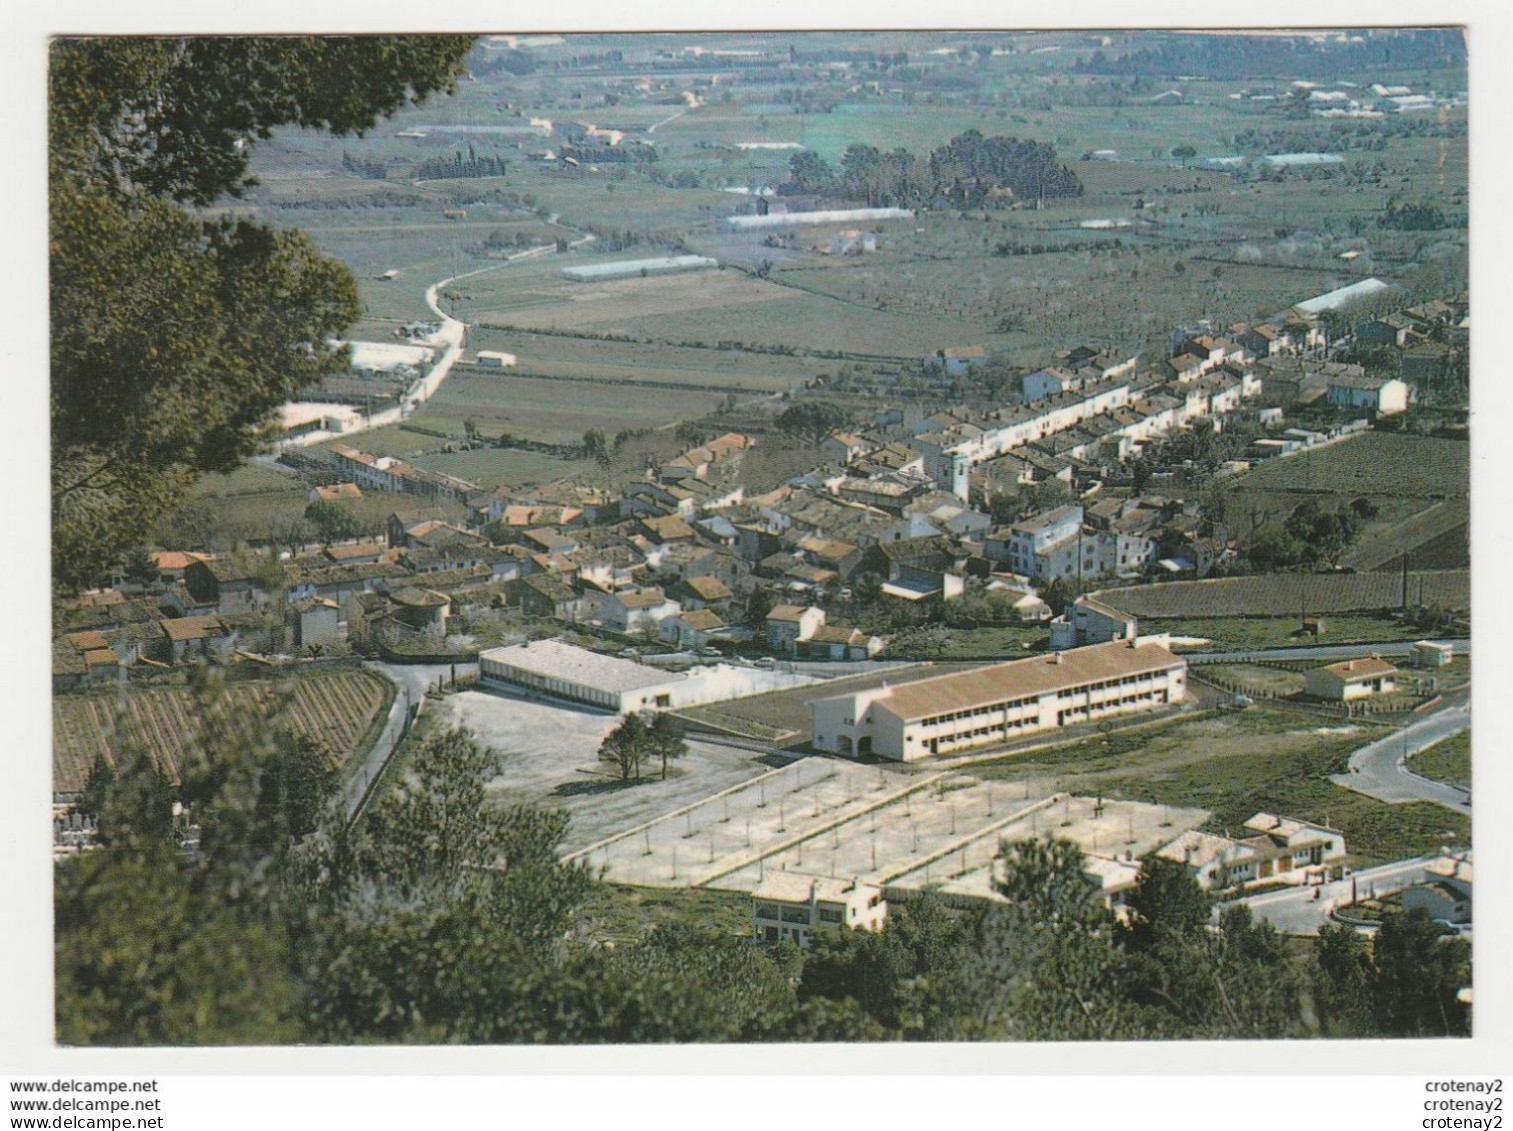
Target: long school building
[950, 713]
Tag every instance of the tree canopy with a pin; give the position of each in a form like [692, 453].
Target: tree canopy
[176, 331]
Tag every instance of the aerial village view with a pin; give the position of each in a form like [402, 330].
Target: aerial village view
[609, 538]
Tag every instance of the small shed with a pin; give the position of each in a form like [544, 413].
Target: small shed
[1431, 654]
[496, 359]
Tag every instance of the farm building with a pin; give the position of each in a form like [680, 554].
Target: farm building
[956, 361]
[1299, 161]
[853, 241]
[1088, 621]
[982, 706]
[382, 357]
[1351, 679]
[837, 216]
[632, 268]
[790, 905]
[318, 621]
[498, 359]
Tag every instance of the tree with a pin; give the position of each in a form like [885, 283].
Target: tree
[812, 421]
[625, 746]
[174, 333]
[140, 568]
[596, 446]
[1342, 982]
[1043, 965]
[1167, 905]
[758, 605]
[664, 739]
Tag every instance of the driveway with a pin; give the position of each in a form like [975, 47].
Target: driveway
[1380, 769]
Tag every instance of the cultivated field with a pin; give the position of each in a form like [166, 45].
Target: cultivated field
[1372, 464]
[556, 412]
[1285, 594]
[336, 708]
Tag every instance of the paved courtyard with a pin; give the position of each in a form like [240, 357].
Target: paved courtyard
[549, 754]
[832, 818]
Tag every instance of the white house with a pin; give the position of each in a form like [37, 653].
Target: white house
[1385, 396]
[788, 624]
[1351, 679]
[789, 905]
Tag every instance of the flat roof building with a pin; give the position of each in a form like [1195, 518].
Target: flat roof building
[989, 705]
[557, 668]
[790, 905]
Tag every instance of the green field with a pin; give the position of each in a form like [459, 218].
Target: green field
[1239, 633]
[556, 412]
[1373, 464]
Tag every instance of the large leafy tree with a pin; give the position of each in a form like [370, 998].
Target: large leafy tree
[175, 331]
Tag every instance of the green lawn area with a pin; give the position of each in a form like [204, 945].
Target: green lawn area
[1006, 641]
[623, 913]
[1448, 761]
[1237, 764]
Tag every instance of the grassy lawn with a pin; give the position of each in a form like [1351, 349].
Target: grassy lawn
[1241, 633]
[622, 913]
[1007, 641]
[1448, 761]
[1238, 764]
[1257, 678]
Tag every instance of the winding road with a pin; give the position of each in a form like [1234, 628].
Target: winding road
[1380, 769]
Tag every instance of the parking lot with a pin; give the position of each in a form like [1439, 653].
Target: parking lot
[549, 754]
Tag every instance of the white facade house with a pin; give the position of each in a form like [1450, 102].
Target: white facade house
[1089, 621]
[1279, 849]
[1383, 396]
[1351, 679]
[789, 624]
[789, 905]
[995, 704]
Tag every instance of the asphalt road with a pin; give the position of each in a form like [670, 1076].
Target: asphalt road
[1380, 769]
[1296, 911]
[412, 680]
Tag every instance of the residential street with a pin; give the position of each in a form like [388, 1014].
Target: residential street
[1380, 770]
